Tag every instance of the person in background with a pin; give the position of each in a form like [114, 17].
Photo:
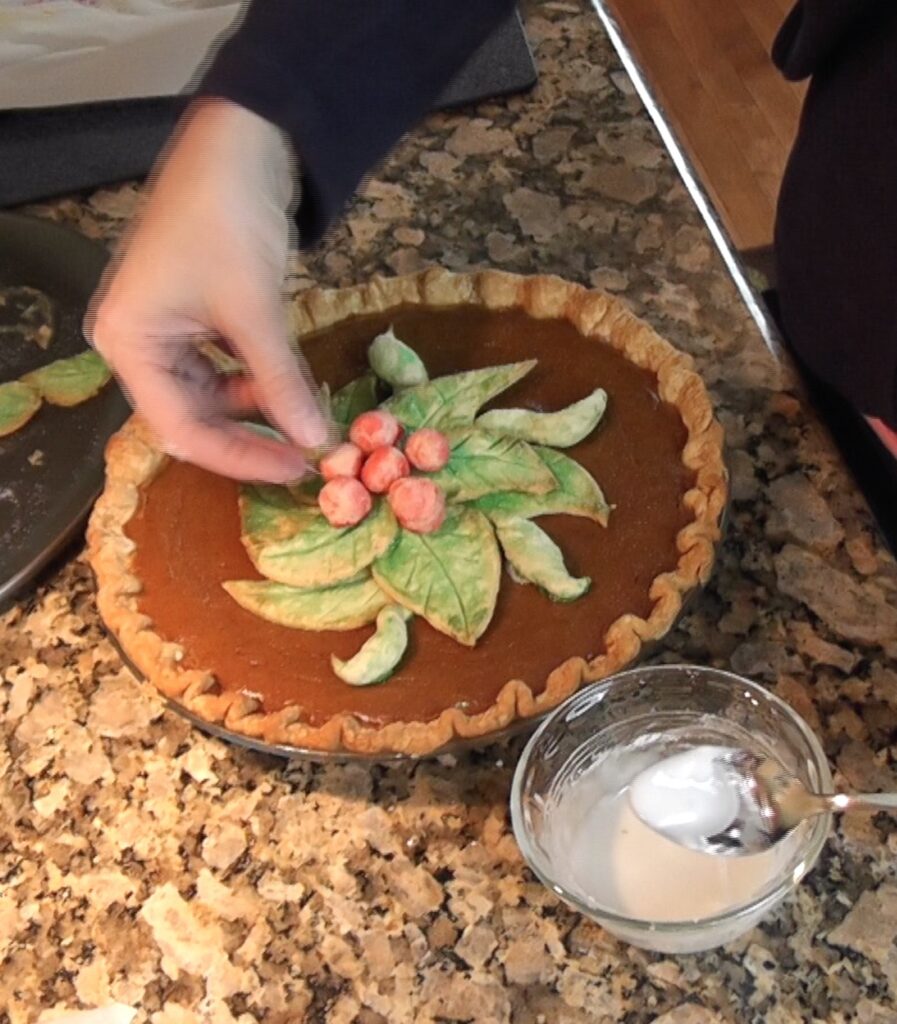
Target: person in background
[836, 226]
[317, 93]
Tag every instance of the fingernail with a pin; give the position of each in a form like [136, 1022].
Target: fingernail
[292, 466]
[309, 431]
[286, 477]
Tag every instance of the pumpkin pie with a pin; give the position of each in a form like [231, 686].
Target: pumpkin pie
[578, 479]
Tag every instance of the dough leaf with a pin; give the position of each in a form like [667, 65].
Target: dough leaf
[269, 514]
[307, 490]
[222, 362]
[576, 494]
[450, 577]
[318, 554]
[325, 401]
[534, 556]
[346, 606]
[395, 362]
[454, 401]
[562, 429]
[70, 381]
[483, 463]
[380, 654]
[264, 430]
[18, 403]
[358, 396]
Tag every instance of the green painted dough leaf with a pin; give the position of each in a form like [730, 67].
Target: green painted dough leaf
[535, 557]
[395, 362]
[562, 429]
[70, 381]
[18, 403]
[306, 491]
[454, 401]
[380, 654]
[576, 494]
[450, 577]
[325, 401]
[28, 315]
[264, 430]
[347, 606]
[483, 463]
[358, 396]
[318, 554]
[269, 514]
[222, 362]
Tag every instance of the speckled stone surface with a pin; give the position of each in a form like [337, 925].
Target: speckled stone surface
[144, 864]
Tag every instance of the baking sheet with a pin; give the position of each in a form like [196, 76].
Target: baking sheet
[51, 470]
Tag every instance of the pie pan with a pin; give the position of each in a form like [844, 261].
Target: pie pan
[662, 434]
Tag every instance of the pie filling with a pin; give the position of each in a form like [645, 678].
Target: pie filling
[187, 531]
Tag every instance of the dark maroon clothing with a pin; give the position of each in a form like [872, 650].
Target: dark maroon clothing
[836, 229]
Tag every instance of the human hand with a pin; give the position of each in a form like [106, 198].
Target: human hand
[206, 258]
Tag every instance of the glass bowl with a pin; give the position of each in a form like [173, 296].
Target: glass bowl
[595, 743]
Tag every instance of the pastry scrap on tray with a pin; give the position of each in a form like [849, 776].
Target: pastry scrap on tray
[65, 382]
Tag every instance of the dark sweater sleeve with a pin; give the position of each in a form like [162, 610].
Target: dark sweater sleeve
[836, 225]
[814, 32]
[345, 79]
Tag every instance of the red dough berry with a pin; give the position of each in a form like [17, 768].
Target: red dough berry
[418, 504]
[382, 468]
[427, 450]
[344, 460]
[344, 501]
[374, 429]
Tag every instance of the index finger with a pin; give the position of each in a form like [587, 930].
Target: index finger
[205, 435]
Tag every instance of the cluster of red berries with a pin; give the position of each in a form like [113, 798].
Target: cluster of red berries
[371, 462]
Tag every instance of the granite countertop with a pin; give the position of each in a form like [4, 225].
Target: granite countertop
[145, 864]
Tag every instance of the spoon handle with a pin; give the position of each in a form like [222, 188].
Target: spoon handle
[862, 801]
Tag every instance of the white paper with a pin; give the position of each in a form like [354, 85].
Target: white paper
[60, 52]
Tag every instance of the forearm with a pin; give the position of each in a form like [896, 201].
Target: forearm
[345, 79]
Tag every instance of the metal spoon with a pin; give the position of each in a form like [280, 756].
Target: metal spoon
[772, 802]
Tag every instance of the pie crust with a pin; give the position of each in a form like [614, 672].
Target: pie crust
[133, 460]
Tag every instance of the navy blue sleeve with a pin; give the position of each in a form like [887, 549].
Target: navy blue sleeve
[836, 225]
[816, 30]
[345, 79]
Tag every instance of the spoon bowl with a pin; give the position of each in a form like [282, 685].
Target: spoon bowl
[766, 801]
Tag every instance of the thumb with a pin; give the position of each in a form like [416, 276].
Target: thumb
[281, 379]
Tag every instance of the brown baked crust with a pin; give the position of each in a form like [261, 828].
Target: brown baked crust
[132, 460]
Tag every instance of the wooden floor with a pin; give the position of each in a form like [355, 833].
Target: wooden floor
[709, 66]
